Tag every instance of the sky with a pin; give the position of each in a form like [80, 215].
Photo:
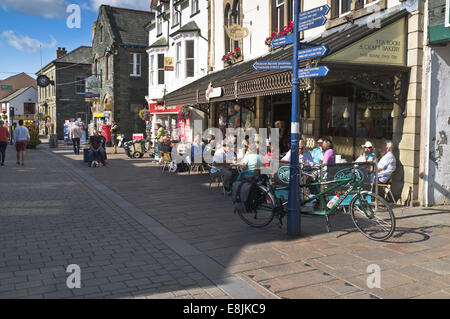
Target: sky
[28, 27]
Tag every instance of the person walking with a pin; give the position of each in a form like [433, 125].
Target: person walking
[21, 137]
[4, 136]
[75, 135]
[114, 132]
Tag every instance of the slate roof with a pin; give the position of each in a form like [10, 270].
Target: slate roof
[82, 55]
[335, 39]
[188, 27]
[15, 94]
[162, 42]
[128, 25]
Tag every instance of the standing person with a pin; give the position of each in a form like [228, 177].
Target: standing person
[318, 152]
[330, 156]
[4, 136]
[21, 137]
[75, 135]
[114, 132]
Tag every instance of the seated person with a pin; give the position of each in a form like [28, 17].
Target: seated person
[387, 164]
[222, 168]
[96, 151]
[367, 156]
[304, 156]
[252, 160]
[318, 152]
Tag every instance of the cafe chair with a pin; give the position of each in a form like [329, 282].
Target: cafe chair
[386, 189]
[167, 163]
[215, 177]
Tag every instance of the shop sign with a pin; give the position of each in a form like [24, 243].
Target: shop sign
[386, 46]
[138, 136]
[108, 106]
[213, 92]
[99, 114]
[92, 87]
[168, 64]
[155, 108]
[237, 32]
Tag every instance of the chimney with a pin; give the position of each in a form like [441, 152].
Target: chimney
[60, 52]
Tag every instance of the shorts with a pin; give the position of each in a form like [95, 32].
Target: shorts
[114, 139]
[21, 146]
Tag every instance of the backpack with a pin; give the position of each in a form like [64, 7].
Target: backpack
[243, 193]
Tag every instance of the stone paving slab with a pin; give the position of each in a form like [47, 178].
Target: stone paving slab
[204, 219]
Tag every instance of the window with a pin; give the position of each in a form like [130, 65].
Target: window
[280, 14]
[159, 26]
[160, 68]
[135, 64]
[190, 58]
[194, 7]
[28, 108]
[100, 31]
[178, 61]
[152, 69]
[343, 7]
[175, 16]
[107, 69]
[228, 22]
[80, 85]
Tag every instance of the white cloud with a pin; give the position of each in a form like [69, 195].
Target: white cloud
[129, 4]
[44, 8]
[25, 43]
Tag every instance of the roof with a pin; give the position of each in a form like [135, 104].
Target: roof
[188, 27]
[246, 75]
[128, 26]
[15, 94]
[81, 55]
[162, 42]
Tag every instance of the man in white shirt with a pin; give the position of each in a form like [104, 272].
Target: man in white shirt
[21, 137]
[75, 135]
[222, 168]
[304, 156]
[387, 164]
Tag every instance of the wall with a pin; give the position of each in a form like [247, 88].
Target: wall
[29, 96]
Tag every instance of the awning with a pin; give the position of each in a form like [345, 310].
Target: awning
[241, 81]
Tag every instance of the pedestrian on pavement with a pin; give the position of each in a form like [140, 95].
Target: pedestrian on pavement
[114, 132]
[21, 137]
[75, 135]
[4, 136]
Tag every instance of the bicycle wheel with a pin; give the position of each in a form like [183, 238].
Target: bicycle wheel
[261, 208]
[372, 216]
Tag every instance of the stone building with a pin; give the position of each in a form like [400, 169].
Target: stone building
[119, 43]
[64, 99]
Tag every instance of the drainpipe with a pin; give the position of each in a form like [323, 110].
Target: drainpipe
[426, 105]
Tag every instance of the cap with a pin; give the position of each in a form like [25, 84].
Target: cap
[367, 144]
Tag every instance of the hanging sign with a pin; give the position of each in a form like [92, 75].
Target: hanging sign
[236, 32]
[168, 64]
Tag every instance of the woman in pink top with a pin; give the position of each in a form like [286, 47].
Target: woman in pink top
[329, 157]
[4, 135]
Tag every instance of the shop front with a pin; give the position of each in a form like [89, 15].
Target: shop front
[167, 117]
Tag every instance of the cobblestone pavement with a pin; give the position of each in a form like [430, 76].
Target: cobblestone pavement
[215, 243]
[50, 218]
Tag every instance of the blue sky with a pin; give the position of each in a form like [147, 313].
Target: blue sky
[26, 25]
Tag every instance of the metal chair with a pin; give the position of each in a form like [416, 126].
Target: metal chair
[167, 162]
[216, 177]
[387, 189]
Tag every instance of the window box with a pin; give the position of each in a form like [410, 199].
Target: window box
[232, 57]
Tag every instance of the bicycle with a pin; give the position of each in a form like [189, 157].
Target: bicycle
[370, 213]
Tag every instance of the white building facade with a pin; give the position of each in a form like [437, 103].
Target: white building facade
[24, 102]
[178, 55]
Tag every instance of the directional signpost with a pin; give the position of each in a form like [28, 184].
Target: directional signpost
[302, 21]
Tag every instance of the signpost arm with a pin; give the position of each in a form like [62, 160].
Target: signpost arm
[293, 216]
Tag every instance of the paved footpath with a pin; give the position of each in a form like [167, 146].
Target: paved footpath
[137, 232]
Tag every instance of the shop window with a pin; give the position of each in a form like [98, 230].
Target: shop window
[135, 64]
[353, 112]
[231, 115]
[190, 58]
[160, 68]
